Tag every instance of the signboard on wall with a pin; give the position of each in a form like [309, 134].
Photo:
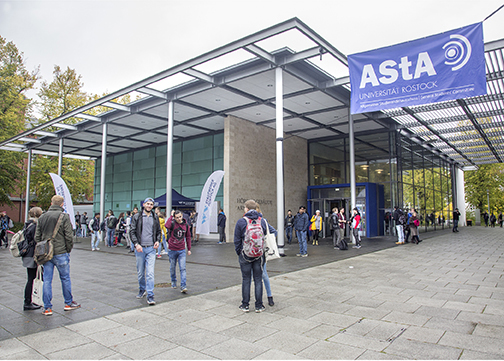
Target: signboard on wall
[437, 68]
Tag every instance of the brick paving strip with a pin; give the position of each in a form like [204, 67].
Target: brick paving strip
[442, 299]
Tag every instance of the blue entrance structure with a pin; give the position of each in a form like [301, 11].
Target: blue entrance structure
[178, 200]
[370, 202]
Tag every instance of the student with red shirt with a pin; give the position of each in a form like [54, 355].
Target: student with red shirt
[180, 237]
[356, 219]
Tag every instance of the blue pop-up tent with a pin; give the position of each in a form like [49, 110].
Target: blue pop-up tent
[178, 200]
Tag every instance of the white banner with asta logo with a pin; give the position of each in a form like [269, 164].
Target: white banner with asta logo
[208, 195]
[62, 190]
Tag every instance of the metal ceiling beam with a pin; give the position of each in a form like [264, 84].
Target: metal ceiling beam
[88, 117]
[199, 75]
[302, 55]
[152, 92]
[117, 106]
[261, 53]
[480, 130]
[412, 113]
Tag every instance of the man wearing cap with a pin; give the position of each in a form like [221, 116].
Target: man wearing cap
[145, 234]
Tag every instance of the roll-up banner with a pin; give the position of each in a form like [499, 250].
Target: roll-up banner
[62, 190]
[437, 68]
[208, 195]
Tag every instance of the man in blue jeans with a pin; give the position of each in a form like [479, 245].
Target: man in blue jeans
[301, 223]
[180, 238]
[145, 234]
[62, 246]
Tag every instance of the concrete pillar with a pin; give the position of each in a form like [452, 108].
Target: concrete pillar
[103, 170]
[460, 202]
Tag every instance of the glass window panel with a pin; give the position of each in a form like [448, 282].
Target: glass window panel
[379, 171]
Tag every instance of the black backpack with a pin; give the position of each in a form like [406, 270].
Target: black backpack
[112, 222]
[343, 245]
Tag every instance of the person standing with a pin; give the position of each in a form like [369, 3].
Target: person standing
[164, 236]
[78, 232]
[131, 246]
[334, 221]
[94, 228]
[288, 223]
[413, 225]
[62, 245]
[485, 217]
[146, 234]
[500, 219]
[301, 224]
[194, 221]
[5, 224]
[111, 228]
[221, 223]
[493, 219]
[247, 228]
[265, 277]
[84, 224]
[355, 222]
[456, 217]
[180, 238]
[342, 221]
[317, 226]
[27, 257]
[400, 220]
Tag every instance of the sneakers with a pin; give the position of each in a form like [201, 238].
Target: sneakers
[159, 256]
[183, 290]
[73, 306]
[304, 255]
[92, 250]
[270, 301]
[399, 243]
[150, 300]
[357, 247]
[97, 249]
[174, 287]
[244, 308]
[163, 252]
[47, 312]
[260, 309]
[298, 255]
[141, 294]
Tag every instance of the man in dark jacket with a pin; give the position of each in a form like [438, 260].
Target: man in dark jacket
[4, 227]
[221, 223]
[249, 265]
[301, 223]
[145, 234]
[288, 223]
[456, 217]
[62, 244]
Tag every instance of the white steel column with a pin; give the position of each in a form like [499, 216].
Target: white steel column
[279, 158]
[60, 157]
[28, 175]
[460, 202]
[353, 197]
[169, 159]
[102, 171]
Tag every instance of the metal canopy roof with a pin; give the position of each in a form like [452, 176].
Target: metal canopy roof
[238, 79]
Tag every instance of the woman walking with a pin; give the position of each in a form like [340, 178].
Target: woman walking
[27, 257]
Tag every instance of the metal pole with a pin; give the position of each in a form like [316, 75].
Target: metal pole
[60, 157]
[353, 197]
[279, 158]
[102, 171]
[169, 159]
[28, 175]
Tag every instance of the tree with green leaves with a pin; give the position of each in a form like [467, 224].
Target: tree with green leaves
[58, 97]
[15, 81]
[488, 177]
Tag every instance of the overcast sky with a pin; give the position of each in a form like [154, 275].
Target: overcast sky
[114, 43]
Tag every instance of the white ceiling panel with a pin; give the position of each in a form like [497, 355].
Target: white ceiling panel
[258, 113]
[129, 143]
[263, 85]
[185, 131]
[217, 99]
[293, 124]
[141, 122]
[181, 112]
[214, 123]
[310, 102]
[111, 149]
[331, 117]
[76, 143]
[151, 137]
[315, 133]
[88, 136]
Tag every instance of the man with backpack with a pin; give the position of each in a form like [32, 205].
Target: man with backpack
[111, 227]
[84, 224]
[249, 246]
[94, 227]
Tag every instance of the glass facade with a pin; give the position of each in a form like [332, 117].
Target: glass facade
[412, 176]
[133, 176]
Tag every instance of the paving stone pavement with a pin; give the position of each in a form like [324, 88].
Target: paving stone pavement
[441, 299]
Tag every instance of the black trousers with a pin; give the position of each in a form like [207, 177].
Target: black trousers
[32, 273]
